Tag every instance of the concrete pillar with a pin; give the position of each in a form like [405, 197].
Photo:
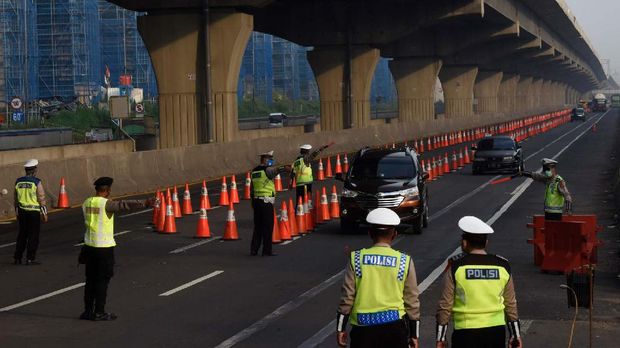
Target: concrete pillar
[415, 80]
[176, 45]
[486, 90]
[458, 90]
[524, 93]
[546, 94]
[508, 93]
[536, 91]
[328, 65]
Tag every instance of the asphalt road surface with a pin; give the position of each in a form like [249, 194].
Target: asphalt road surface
[176, 291]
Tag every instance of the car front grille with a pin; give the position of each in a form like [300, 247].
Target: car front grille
[372, 202]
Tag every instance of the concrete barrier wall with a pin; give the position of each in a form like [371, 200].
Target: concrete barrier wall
[140, 172]
[63, 152]
[270, 132]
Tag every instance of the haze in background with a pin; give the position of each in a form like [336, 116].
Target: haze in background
[601, 21]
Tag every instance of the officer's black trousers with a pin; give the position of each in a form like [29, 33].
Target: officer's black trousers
[28, 236]
[391, 335]
[263, 226]
[99, 271]
[489, 337]
[553, 216]
[300, 192]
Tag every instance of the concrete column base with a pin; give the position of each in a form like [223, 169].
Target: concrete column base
[507, 94]
[415, 83]
[458, 90]
[486, 90]
[524, 93]
[535, 93]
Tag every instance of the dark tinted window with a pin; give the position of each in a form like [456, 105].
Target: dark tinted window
[391, 166]
[496, 144]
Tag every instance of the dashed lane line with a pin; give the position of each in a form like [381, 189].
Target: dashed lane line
[193, 245]
[192, 283]
[7, 245]
[42, 297]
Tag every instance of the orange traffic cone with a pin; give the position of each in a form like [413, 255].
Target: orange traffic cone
[275, 235]
[321, 175]
[161, 218]
[300, 217]
[435, 168]
[467, 159]
[203, 230]
[446, 164]
[461, 160]
[429, 144]
[248, 184]
[187, 201]
[285, 227]
[328, 168]
[278, 183]
[231, 233]
[334, 206]
[170, 225]
[234, 193]
[156, 207]
[291, 218]
[204, 197]
[338, 165]
[63, 198]
[421, 145]
[429, 170]
[176, 204]
[224, 193]
[345, 164]
[324, 206]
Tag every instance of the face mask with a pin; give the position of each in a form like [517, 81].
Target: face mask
[270, 162]
[547, 173]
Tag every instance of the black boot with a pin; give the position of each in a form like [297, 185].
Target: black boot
[104, 316]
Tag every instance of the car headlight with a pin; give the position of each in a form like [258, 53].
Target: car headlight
[479, 159]
[508, 158]
[349, 193]
[410, 192]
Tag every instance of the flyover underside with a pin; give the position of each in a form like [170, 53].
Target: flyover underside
[491, 56]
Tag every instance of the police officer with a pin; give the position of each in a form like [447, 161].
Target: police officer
[30, 207]
[302, 170]
[479, 293]
[557, 197]
[380, 291]
[263, 193]
[98, 250]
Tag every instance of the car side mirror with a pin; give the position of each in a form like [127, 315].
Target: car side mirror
[339, 177]
[425, 175]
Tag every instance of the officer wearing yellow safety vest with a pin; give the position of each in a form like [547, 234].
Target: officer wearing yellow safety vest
[557, 197]
[30, 207]
[263, 193]
[302, 169]
[98, 250]
[380, 291]
[478, 291]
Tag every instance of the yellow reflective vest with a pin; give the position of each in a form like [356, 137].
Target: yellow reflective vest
[380, 274]
[303, 173]
[99, 227]
[262, 186]
[26, 189]
[554, 200]
[479, 282]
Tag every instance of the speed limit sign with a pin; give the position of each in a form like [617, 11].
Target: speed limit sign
[139, 108]
[16, 103]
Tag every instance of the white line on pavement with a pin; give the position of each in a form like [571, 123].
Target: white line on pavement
[329, 329]
[192, 283]
[6, 222]
[115, 234]
[7, 245]
[291, 241]
[42, 297]
[187, 247]
[136, 213]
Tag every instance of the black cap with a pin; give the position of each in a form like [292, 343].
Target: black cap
[104, 181]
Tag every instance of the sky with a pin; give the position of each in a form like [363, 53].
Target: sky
[601, 21]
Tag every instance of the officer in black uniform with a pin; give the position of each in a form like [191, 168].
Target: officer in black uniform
[263, 194]
[30, 207]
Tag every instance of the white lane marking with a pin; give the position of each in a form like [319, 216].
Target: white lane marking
[7, 245]
[6, 222]
[212, 208]
[329, 329]
[187, 247]
[42, 297]
[462, 199]
[525, 325]
[115, 234]
[136, 213]
[280, 311]
[192, 283]
[291, 241]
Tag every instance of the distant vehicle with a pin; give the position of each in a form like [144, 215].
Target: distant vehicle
[615, 101]
[498, 153]
[578, 114]
[599, 103]
[385, 178]
[276, 119]
[584, 104]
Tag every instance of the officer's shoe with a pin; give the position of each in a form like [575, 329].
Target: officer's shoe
[87, 316]
[32, 262]
[17, 261]
[104, 317]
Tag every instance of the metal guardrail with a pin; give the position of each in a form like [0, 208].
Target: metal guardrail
[249, 123]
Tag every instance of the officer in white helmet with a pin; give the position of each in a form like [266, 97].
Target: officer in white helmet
[478, 292]
[302, 170]
[557, 197]
[31, 209]
[380, 291]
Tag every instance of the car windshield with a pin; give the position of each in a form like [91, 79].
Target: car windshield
[387, 167]
[496, 144]
[579, 111]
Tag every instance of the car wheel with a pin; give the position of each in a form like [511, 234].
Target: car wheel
[348, 225]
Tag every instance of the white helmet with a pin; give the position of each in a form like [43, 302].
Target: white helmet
[473, 225]
[31, 163]
[383, 216]
[548, 162]
[306, 147]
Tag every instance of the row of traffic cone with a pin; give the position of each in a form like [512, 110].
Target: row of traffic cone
[437, 167]
[340, 168]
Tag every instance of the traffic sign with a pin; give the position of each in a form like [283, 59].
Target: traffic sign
[16, 103]
[18, 117]
[139, 108]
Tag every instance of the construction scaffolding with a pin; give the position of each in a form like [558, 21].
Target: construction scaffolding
[69, 49]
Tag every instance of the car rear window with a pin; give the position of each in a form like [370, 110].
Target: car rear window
[386, 167]
[496, 144]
